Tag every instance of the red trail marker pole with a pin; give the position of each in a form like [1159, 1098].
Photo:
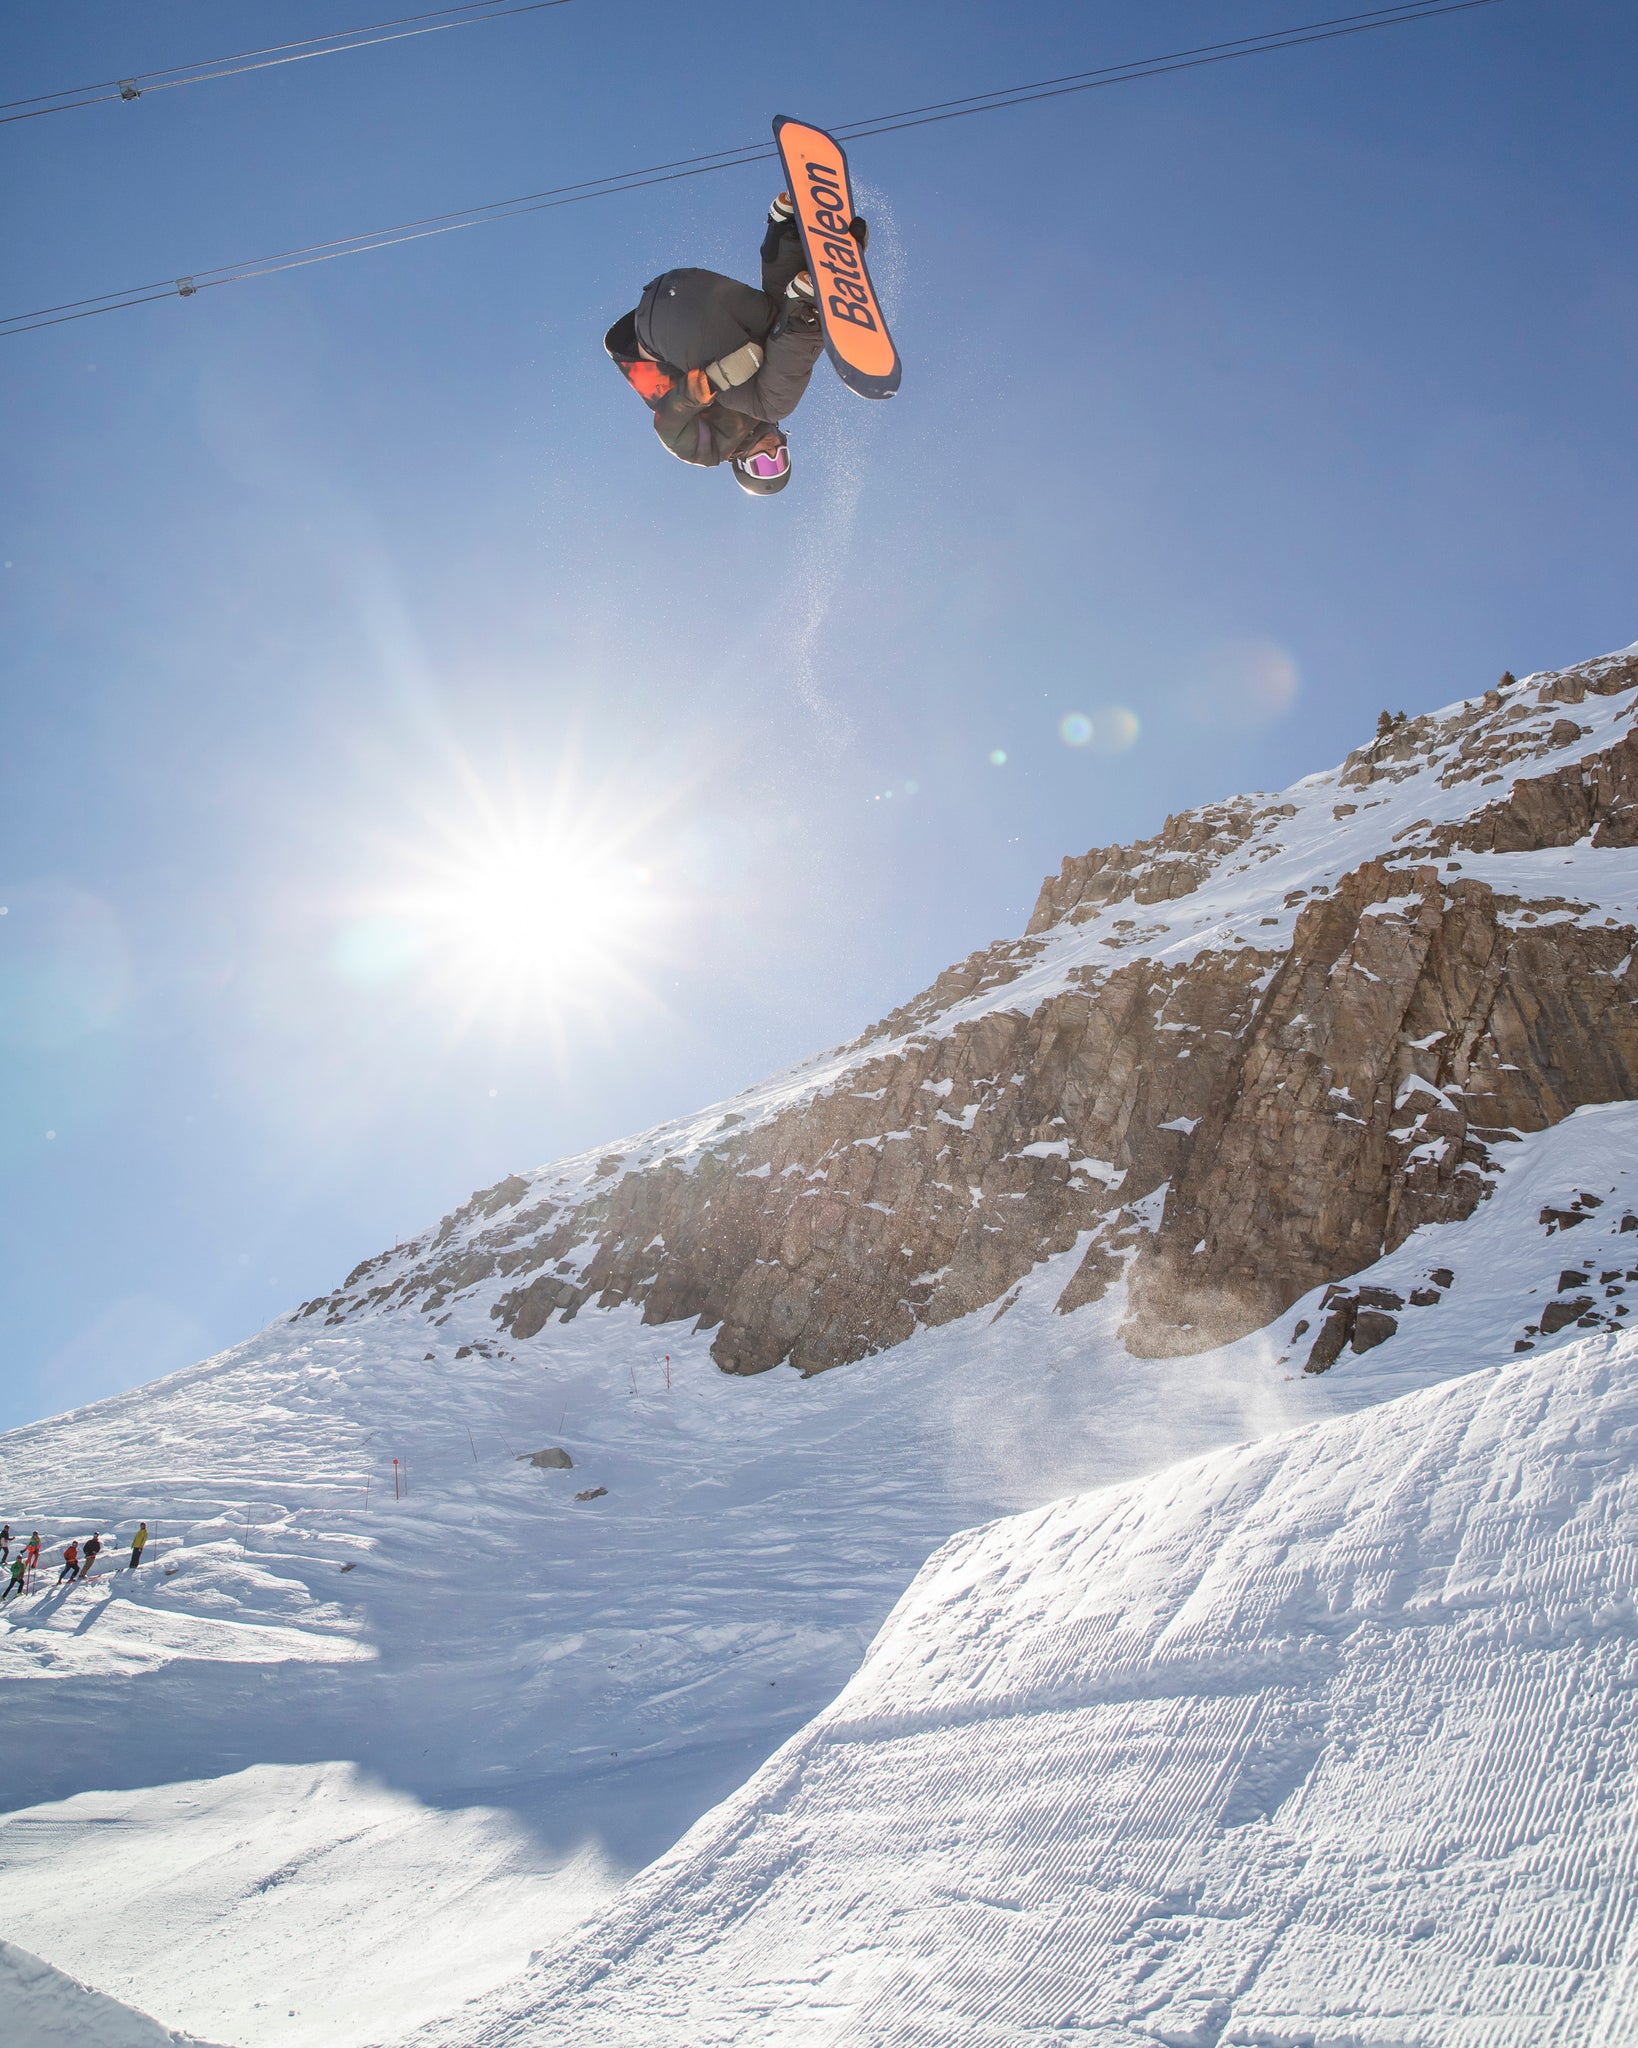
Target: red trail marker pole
[668, 1372]
[395, 1478]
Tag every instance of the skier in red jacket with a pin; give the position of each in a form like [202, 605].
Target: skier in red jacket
[71, 1563]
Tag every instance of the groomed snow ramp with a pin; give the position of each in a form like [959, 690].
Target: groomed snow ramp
[43, 2008]
[1327, 1741]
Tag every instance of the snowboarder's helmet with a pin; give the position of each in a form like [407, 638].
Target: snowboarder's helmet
[765, 471]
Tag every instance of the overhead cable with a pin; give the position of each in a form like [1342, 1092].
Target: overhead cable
[732, 159]
[468, 14]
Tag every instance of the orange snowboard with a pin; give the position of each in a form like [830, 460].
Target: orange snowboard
[854, 325]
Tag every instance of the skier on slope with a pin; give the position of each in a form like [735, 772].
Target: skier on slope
[71, 1563]
[14, 1584]
[720, 364]
[88, 1556]
[5, 1544]
[31, 1553]
[139, 1543]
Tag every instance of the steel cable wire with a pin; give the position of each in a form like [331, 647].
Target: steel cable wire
[732, 159]
[335, 44]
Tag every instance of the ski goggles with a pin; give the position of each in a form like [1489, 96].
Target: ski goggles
[771, 463]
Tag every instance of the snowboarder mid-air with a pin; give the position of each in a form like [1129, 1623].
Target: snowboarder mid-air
[721, 364]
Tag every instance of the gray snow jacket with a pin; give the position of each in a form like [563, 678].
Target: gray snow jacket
[688, 318]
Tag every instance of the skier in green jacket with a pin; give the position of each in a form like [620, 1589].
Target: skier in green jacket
[14, 1583]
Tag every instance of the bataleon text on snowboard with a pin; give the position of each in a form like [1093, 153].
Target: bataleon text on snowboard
[855, 327]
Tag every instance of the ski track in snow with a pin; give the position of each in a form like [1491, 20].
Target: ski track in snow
[1325, 1740]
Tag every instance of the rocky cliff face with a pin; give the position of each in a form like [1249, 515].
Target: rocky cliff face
[1238, 1059]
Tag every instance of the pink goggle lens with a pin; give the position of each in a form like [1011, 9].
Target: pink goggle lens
[769, 465]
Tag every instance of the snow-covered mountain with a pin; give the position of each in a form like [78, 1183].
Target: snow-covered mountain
[1303, 1023]
[1309, 1102]
[1326, 1739]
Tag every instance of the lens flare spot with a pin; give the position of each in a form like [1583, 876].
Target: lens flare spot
[66, 974]
[998, 757]
[376, 949]
[1243, 683]
[1075, 729]
[1116, 730]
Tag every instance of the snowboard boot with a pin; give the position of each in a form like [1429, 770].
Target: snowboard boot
[800, 288]
[781, 210]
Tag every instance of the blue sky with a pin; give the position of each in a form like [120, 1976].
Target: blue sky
[410, 773]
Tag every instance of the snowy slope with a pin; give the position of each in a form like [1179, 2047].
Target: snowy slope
[1324, 1740]
[41, 2008]
[537, 1695]
[372, 1751]
[364, 1796]
[289, 1902]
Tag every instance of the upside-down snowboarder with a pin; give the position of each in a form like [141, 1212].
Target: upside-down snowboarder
[721, 364]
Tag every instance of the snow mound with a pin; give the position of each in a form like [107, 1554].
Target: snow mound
[1323, 1740]
[374, 1751]
[284, 1905]
[42, 2008]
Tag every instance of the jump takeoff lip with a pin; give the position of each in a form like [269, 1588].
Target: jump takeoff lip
[855, 328]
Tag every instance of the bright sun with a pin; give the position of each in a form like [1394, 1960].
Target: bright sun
[555, 912]
[511, 920]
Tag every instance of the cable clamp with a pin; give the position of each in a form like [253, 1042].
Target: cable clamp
[185, 287]
[129, 89]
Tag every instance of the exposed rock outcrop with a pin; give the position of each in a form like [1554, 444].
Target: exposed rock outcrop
[1236, 1060]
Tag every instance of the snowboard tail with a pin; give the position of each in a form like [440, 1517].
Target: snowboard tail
[850, 314]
